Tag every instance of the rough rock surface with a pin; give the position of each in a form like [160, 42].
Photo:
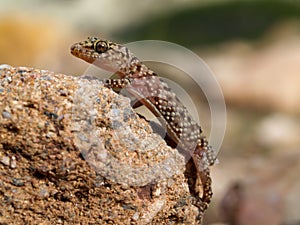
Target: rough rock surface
[74, 152]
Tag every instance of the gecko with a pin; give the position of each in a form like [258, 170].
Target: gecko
[152, 92]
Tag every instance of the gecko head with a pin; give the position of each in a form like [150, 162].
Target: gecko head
[103, 53]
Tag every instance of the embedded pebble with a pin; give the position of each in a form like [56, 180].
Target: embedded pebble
[5, 66]
[13, 162]
[5, 161]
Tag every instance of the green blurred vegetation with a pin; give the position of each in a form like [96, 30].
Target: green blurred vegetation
[215, 23]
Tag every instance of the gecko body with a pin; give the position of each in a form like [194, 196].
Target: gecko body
[154, 93]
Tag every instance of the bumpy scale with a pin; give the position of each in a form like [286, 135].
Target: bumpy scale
[155, 94]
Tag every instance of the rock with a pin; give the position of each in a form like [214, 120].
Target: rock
[262, 76]
[267, 194]
[278, 131]
[72, 151]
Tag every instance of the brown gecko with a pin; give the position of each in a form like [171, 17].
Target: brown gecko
[155, 94]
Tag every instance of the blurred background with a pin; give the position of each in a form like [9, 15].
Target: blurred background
[253, 47]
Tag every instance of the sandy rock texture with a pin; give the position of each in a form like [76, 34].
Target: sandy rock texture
[74, 152]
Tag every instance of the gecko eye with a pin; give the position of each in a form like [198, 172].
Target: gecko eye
[101, 46]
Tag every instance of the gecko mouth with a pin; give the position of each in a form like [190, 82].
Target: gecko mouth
[83, 53]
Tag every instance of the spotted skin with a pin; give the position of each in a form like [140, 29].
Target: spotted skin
[155, 94]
